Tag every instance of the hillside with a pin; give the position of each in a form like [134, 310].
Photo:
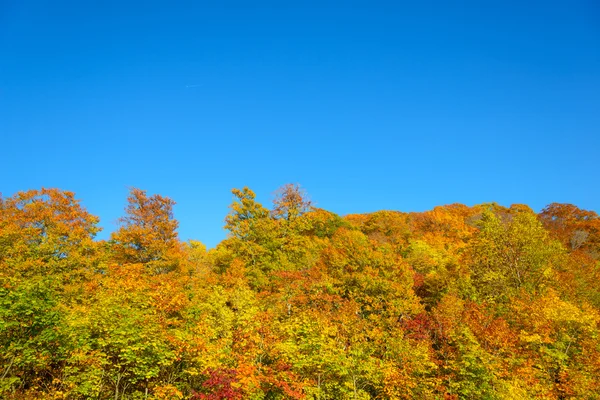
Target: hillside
[482, 302]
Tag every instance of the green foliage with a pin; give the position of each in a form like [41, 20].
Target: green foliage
[482, 302]
[32, 340]
[512, 255]
[469, 369]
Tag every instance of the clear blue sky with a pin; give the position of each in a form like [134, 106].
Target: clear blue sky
[368, 105]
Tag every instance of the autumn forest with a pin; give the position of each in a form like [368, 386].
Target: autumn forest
[459, 302]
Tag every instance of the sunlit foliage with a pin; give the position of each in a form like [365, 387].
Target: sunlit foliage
[483, 302]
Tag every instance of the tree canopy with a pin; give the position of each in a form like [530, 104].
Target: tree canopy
[482, 302]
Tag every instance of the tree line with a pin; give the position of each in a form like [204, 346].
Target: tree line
[482, 302]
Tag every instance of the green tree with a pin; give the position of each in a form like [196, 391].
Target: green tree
[511, 255]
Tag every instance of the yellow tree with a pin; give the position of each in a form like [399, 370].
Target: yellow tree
[47, 252]
[45, 232]
[253, 238]
[513, 254]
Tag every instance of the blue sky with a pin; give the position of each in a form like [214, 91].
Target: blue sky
[368, 105]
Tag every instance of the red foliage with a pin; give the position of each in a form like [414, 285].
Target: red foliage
[220, 386]
[418, 327]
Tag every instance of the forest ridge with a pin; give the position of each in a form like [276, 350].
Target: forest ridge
[482, 302]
